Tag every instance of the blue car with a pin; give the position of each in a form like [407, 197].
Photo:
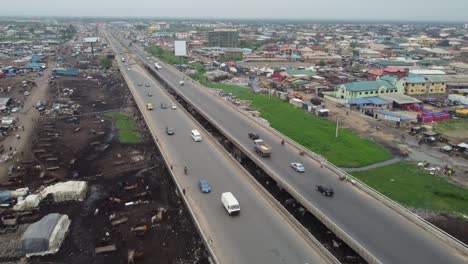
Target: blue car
[204, 186]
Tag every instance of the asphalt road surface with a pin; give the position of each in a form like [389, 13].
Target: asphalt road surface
[259, 234]
[386, 234]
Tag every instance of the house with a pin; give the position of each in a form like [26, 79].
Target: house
[364, 89]
[397, 72]
[368, 53]
[301, 73]
[417, 85]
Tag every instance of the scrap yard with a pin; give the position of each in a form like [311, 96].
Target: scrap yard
[73, 190]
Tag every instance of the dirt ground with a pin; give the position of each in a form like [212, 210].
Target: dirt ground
[126, 181]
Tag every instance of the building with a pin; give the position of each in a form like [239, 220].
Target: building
[366, 89]
[226, 38]
[417, 85]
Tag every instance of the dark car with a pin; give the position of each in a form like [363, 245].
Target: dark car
[147, 85]
[164, 106]
[254, 136]
[325, 190]
[170, 131]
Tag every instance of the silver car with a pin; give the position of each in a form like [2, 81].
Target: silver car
[297, 167]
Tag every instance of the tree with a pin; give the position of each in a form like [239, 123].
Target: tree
[355, 53]
[321, 63]
[105, 63]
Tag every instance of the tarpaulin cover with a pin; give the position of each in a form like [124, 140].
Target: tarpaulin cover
[45, 236]
[4, 196]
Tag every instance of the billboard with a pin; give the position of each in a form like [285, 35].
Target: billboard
[180, 48]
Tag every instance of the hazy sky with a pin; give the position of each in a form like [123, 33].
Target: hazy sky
[442, 10]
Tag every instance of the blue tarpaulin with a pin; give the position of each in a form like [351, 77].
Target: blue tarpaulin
[4, 196]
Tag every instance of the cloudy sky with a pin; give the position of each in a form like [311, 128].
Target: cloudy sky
[408, 10]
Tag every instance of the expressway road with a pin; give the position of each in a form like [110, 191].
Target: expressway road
[387, 235]
[259, 234]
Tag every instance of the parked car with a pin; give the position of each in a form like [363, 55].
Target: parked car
[205, 187]
[164, 106]
[26, 93]
[149, 106]
[147, 85]
[298, 167]
[139, 84]
[170, 131]
[325, 190]
[174, 107]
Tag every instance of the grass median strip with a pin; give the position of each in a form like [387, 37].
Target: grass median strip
[348, 150]
[128, 128]
[413, 187]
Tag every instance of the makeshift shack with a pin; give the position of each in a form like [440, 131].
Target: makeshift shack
[45, 236]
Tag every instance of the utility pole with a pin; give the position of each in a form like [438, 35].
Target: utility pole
[336, 133]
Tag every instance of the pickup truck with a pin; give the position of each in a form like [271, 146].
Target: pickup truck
[262, 148]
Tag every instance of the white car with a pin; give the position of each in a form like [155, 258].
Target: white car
[128, 69]
[297, 167]
[174, 107]
[26, 93]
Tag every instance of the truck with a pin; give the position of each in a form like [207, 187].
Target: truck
[262, 148]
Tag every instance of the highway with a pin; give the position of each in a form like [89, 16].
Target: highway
[259, 234]
[384, 233]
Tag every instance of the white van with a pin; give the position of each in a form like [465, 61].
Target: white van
[230, 203]
[196, 136]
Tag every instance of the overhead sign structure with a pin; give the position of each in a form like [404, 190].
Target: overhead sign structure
[180, 48]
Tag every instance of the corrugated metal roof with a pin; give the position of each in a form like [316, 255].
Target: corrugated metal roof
[413, 78]
[367, 86]
[301, 72]
[369, 100]
[435, 79]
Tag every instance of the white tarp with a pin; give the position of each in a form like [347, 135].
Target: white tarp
[45, 236]
[66, 191]
[30, 202]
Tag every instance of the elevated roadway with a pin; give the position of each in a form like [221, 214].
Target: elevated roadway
[260, 233]
[386, 235]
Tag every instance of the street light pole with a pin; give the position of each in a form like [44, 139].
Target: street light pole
[336, 133]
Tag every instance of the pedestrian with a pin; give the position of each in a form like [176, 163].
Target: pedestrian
[11, 148]
[321, 164]
[183, 191]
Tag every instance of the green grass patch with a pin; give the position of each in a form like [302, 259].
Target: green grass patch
[413, 187]
[166, 55]
[348, 150]
[453, 127]
[128, 128]
[200, 74]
